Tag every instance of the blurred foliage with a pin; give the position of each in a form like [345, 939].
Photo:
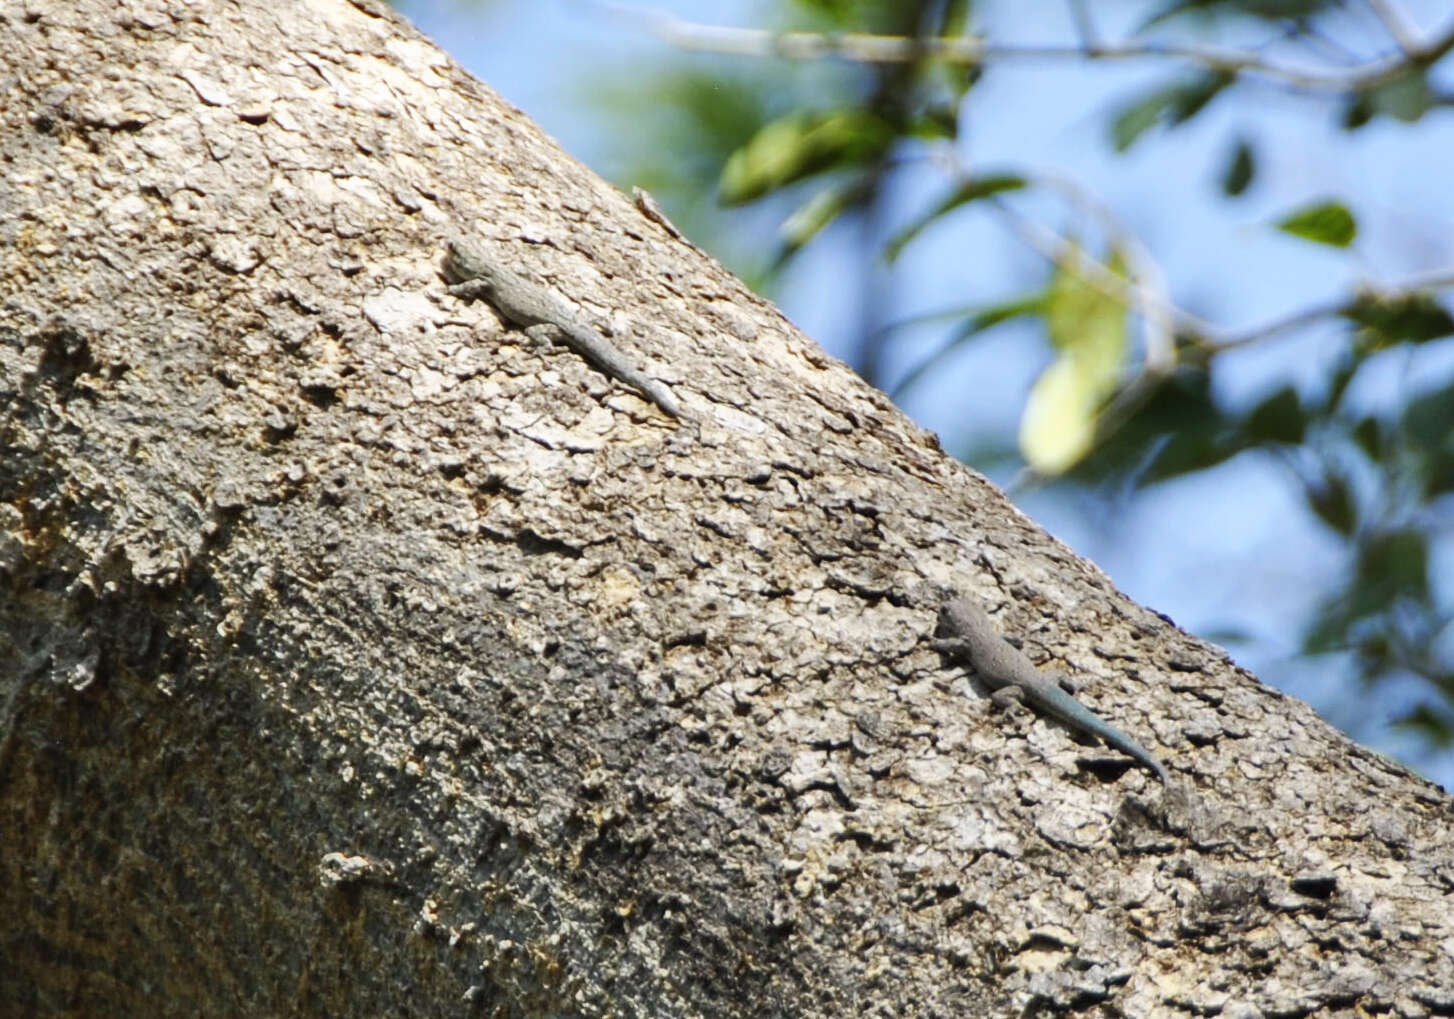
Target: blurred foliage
[816, 145]
[1088, 328]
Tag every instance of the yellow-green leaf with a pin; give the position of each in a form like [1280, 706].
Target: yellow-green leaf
[1088, 327]
[1087, 322]
[1058, 427]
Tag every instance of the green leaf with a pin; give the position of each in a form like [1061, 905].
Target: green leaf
[994, 314]
[1394, 564]
[1358, 112]
[986, 318]
[1135, 120]
[1178, 428]
[1329, 630]
[1429, 419]
[1368, 433]
[1183, 428]
[826, 205]
[1428, 721]
[1343, 373]
[1240, 169]
[1438, 474]
[971, 190]
[1390, 574]
[1414, 318]
[1405, 98]
[1428, 422]
[800, 145]
[937, 122]
[1176, 102]
[1279, 418]
[1332, 500]
[1188, 451]
[1326, 223]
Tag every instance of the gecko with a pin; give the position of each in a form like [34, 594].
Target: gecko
[474, 273]
[969, 635]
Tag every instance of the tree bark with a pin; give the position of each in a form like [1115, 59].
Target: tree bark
[360, 657]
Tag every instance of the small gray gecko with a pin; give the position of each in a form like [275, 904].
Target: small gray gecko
[969, 635]
[474, 273]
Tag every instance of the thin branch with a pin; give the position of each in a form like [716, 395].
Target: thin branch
[972, 50]
[1214, 343]
[1153, 300]
[1316, 39]
[1398, 24]
[1084, 27]
[1134, 294]
[1436, 279]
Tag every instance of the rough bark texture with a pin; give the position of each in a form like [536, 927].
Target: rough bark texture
[357, 657]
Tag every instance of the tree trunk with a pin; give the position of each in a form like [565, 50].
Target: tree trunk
[360, 656]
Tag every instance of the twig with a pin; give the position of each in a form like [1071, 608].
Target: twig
[1056, 248]
[1084, 26]
[1437, 279]
[973, 50]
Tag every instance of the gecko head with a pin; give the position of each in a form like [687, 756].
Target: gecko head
[465, 260]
